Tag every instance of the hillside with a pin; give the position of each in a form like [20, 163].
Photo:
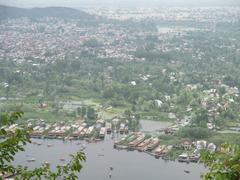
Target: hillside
[63, 12]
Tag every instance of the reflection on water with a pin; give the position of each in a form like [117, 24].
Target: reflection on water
[101, 156]
[147, 125]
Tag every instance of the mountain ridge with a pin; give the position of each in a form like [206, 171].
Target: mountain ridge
[61, 12]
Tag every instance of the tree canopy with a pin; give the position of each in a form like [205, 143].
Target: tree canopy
[224, 164]
[14, 141]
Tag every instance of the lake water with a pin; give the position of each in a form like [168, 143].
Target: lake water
[128, 165]
[147, 125]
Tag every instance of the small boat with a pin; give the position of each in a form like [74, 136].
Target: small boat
[49, 145]
[110, 175]
[39, 144]
[111, 168]
[46, 163]
[186, 171]
[62, 159]
[83, 146]
[31, 160]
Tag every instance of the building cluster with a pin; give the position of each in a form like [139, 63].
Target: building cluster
[187, 151]
[204, 14]
[52, 39]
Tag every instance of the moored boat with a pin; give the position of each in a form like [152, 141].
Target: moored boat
[183, 157]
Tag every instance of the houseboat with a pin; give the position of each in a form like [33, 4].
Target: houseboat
[135, 142]
[166, 150]
[102, 132]
[158, 150]
[108, 127]
[89, 131]
[143, 145]
[183, 157]
[83, 132]
[76, 133]
[122, 128]
[115, 144]
[154, 143]
[194, 158]
[126, 130]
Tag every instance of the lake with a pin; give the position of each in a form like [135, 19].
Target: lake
[149, 126]
[128, 165]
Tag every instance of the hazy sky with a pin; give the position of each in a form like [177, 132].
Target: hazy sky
[79, 3]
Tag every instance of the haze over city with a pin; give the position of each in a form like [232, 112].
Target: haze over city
[118, 3]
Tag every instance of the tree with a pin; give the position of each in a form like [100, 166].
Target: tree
[194, 133]
[137, 119]
[133, 108]
[84, 110]
[92, 43]
[91, 113]
[108, 93]
[201, 117]
[127, 113]
[224, 164]
[15, 141]
[79, 111]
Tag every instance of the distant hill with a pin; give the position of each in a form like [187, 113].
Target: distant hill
[62, 12]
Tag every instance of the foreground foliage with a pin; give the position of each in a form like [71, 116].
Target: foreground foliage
[224, 164]
[14, 142]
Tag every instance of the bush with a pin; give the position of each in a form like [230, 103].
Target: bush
[195, 133]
